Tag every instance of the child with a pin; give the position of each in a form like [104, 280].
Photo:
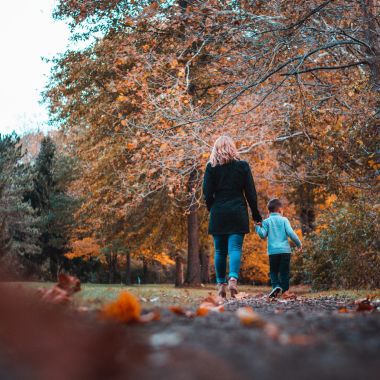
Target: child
[278, 229]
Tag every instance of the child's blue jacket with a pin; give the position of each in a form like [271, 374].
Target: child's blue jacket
[278, 229]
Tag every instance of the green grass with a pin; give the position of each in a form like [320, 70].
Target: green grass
[95, 295]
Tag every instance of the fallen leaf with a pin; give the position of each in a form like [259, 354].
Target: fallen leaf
[201, 312]
[61, 292]
[272, 331]
[125, 309]
[248, 317]
[241, 296]
[212, 303]
[177, 310]
[181, 311]
[343, 309]
[297, 339]
[289, 296]
[364, 305]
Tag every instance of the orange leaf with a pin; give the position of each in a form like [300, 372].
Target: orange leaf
[202, 311]
[125, 309]
[248, 317]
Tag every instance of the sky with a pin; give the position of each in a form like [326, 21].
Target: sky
[27, 33]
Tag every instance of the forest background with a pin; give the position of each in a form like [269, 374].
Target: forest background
[112, 194]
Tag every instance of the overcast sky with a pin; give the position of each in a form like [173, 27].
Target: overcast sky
[27, 33]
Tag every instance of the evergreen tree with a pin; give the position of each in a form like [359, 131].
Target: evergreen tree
[51, 202]
[18, 222]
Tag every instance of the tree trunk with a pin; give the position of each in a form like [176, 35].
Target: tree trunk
[145, 272]
[128, 279]
[372, 29]
[307, 218]
[179, 271]
[193, 276]
[112, 259]
[53, 267]
[205, 267]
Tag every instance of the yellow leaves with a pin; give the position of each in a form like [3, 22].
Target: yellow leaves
[121, 98]
[373, 164]
[86, 248]
[125, 309]
[173, 63]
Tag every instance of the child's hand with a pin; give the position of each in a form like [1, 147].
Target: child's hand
[300, 249]
[260, 224]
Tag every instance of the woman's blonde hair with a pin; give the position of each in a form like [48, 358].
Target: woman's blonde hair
[223, 151]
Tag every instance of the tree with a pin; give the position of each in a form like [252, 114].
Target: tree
[51, 202]
[18, 223]
[143, 103]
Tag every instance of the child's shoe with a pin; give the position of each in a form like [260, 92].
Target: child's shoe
[222, 290]
[232, 286]
[275, 292]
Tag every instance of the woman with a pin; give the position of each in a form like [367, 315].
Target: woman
[227, 184]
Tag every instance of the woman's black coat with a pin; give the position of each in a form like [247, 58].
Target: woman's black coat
[224, 188]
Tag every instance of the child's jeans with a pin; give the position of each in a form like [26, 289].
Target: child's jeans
[279, 266]
[227, 245]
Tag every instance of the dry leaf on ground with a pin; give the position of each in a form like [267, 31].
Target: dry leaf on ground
[242, 295]
[181, 311]
[125, 309]
[248, 317]
[364, 305]
[211, 303]
[61, 293]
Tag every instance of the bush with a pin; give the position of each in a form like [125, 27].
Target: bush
[344, 251]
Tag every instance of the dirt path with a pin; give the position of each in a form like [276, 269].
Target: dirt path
[300, 339]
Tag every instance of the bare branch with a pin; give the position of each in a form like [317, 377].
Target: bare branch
[278, 139]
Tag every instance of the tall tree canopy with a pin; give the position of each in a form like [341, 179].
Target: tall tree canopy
[143, 103]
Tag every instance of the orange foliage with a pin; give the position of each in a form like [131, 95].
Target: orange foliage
[84, 248]
[125, 309]
[255, 264]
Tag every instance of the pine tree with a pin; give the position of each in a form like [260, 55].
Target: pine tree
[51, 202]
[18, 222]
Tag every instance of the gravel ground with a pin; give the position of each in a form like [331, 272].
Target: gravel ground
[292, 338]
[298, 339]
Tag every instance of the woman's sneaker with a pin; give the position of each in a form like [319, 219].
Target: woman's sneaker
[232, 286]
[222, 290]
[275, 292]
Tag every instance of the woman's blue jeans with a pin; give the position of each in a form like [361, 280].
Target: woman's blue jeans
[227, 245]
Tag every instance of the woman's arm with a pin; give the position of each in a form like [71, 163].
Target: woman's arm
[251, 195]
[208, 187]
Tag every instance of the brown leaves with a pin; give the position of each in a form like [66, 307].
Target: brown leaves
[248, 317]
[181, 311]
[62, 292]
[211, 303]
[364, 305]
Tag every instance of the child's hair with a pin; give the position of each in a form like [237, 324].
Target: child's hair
[274, 205]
